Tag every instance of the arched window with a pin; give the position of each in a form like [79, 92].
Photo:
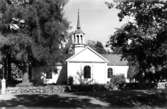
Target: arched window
[55, 71]
[78, 39]
[48, 75]
[81, 38]
[110, 72]
[87, 72]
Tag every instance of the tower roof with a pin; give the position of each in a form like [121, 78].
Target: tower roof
[78, 21]
[78, 29]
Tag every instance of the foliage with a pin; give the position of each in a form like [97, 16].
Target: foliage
[82, 80]
[44, 23]
[139, 86]
[97, 46]
[87, 88]
[142, 41]
[16, 72]
[70, 80]
[115, 82]
[35, 31]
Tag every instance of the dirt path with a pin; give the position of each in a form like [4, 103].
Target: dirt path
[5, 97]
[92, 100]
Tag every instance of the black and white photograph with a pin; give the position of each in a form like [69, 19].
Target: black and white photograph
[83, 54]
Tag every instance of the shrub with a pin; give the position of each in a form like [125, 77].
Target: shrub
[82, 80]
[116, 82]
[140, 86]
[70, 80]
[87, 88]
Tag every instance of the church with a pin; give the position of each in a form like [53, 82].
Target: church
[88, 66]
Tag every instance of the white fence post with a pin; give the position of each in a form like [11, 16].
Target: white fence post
[3, 86]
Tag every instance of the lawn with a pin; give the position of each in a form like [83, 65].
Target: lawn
[143, 99]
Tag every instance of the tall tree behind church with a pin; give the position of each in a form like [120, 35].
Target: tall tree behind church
[98, 46]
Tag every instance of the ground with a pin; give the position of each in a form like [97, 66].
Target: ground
[143, 99]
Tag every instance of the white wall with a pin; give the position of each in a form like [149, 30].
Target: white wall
[120, 70]
[98, 71]
[78, 48]
[55, 76]
[52, 80]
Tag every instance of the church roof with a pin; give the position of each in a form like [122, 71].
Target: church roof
[115, 60]
[111, 59]
[97, 57]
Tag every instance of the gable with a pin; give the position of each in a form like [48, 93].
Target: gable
[87, 55]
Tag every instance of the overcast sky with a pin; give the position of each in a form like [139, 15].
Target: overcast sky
[97, 21]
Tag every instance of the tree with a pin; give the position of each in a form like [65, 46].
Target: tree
[35, 30]
[142, 42]
[98, 46]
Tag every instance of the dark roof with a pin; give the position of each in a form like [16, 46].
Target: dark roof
[115, 60]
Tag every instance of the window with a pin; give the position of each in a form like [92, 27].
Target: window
[55, 71]
[87, 72]
[81, 39]
[48, 75]
[78, 39]
[110, 72]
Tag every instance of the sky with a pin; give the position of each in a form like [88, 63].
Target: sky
[98, 22]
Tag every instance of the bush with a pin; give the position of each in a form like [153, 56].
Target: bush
[87, 88]
[82, 80]
[139, 86]
[70, 80]
[116, 82]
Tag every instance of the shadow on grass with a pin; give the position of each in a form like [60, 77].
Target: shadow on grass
[130, 98]
[46, 101]
[115, 99]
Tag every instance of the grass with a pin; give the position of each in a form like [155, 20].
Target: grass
[131, 98]
[145, 99]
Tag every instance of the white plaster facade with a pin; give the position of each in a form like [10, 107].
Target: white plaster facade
[87, 57]
[120, 70]
[98, 64]
[52, 80]
[54, 76]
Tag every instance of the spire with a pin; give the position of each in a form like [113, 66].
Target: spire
[78, 21]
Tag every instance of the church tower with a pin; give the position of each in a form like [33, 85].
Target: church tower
[78, 38]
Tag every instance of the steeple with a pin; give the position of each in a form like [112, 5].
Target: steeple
[78, 36]
[78, 21]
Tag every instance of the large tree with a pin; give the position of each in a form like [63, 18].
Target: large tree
[98, 46]
[143, 41]
[35, 30]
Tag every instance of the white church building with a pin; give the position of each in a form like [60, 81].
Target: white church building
[87, 65]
